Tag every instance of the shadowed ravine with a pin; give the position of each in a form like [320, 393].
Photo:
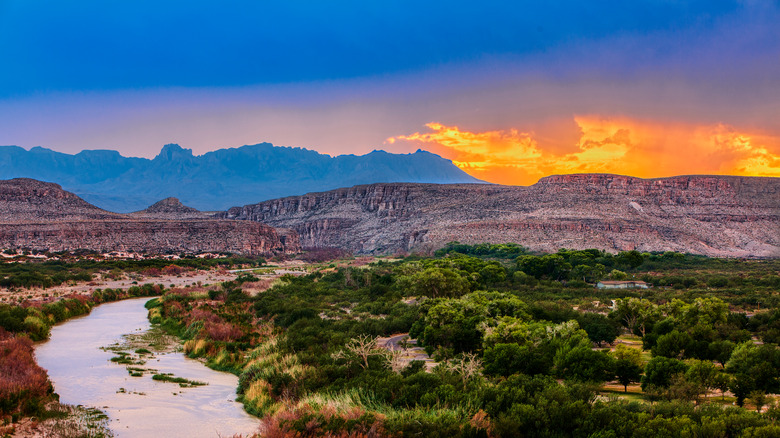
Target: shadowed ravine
[83, 374]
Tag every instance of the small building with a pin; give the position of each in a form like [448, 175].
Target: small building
[630, 284]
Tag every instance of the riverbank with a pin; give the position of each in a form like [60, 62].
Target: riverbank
[116, 360]
[29, 313]
[25, 389]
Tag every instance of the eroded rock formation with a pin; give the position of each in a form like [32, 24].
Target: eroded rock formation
[170, 208]
[42, 216]
[713, 215]
[25, 200]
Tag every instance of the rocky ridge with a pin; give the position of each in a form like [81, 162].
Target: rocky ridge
[171, 208]
[724, 216]
[42, 216]
[25, 200]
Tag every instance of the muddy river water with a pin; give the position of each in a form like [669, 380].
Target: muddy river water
[139, 406]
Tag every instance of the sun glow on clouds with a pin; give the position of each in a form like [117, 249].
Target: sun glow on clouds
[621, 145]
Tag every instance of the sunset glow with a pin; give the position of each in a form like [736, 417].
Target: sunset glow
[622, 145]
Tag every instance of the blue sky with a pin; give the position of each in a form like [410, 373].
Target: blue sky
[344, 77]
[106, 45]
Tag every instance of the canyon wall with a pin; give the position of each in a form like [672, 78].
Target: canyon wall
[712, 215]
[42, 216]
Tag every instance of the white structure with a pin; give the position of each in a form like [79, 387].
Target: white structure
[622, 285]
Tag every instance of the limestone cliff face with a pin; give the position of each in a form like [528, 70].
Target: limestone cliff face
[42, 216]
[712, 215]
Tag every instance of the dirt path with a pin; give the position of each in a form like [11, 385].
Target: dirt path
[411, 351]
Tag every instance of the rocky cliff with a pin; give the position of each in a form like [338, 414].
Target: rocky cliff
[713, 215]
[42, 216]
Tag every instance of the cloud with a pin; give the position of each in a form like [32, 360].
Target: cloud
[637, 147]
[492, 155]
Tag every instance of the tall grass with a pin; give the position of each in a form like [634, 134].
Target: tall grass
[266, 364]
[355, 412]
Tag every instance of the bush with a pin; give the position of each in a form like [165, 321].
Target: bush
[22, 382]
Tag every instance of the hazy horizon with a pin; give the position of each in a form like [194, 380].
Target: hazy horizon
[159, 152]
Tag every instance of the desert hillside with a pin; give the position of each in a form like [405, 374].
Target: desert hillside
[713, 215]
[42, 216]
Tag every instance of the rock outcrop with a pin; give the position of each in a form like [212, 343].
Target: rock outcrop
[170, 208]
[713, 215]
[42, 216]
[26, 200]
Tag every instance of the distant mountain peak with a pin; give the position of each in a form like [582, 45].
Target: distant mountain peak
[172, 152]
[222, 178]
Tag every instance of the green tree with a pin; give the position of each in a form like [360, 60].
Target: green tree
[598, 327]
[459, 324]
[702, 373]
[722, 381]
[638, 315]
[492, 273]
[630, 259]
[438, 282]
[681, 388]
[721, 351]
[754, 368]
[673, 344]
[741, 385]
[550, 266]
[628, 365]
[508, 359]
[659, 371]
[521, 277]
[503, 359]
[584, 364]
[759, 399]
[617, 275]
[588, 273]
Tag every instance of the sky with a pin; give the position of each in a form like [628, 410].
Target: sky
[509, 91]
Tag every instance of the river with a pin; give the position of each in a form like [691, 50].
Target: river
[83, 374]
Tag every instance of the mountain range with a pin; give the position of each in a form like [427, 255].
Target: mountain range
[220, 179]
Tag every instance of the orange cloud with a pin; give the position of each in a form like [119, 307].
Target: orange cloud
[492, 155]
[621, 145]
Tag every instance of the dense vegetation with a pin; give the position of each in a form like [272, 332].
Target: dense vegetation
[515, 338]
